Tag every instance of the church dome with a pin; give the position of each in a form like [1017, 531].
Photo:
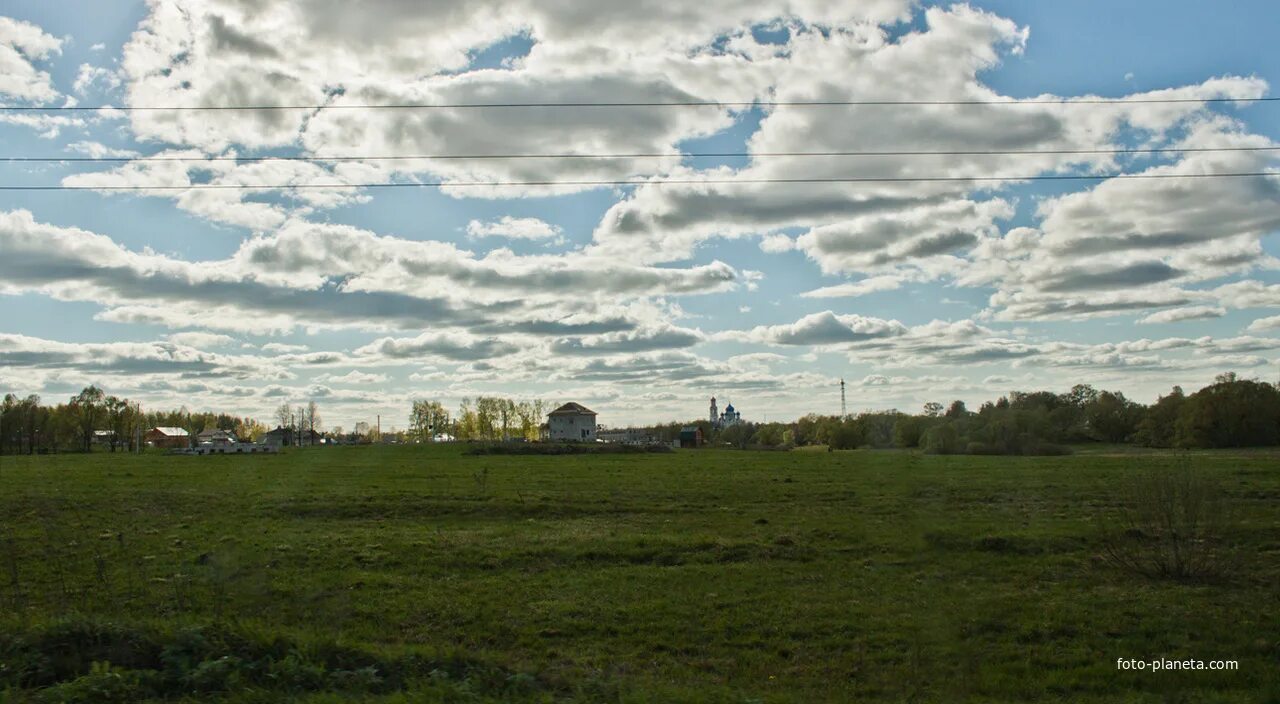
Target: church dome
[728, 408]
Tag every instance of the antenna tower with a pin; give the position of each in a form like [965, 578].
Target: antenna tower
[844, 411]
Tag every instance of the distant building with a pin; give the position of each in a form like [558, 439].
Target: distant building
[573, 422]
[691, 435]
[626, 436]
[730, 417]
[168, 438]
[232, 448]
[280, 437]
[104, 437]
[288, 437]
[215, 436]
[310, 437]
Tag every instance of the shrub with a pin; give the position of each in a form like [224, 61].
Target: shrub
[1170, 526]
[102, 684]
[562, 448]
[941, 440]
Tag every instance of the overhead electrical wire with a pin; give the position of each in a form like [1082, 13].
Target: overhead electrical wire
[642, 182]
[626, 155]
[629, 104]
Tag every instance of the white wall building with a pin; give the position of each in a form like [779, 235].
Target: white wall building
[572, 421]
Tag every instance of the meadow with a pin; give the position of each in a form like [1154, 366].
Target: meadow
[420, 574]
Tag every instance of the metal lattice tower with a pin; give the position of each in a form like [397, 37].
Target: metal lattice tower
[844, 411]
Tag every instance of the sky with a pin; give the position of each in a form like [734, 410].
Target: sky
[708, 277]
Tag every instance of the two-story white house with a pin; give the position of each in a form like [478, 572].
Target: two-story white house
[572, 421]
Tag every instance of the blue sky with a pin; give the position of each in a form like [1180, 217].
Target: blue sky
[640, 302]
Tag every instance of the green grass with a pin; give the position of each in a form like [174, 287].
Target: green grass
[406, 574]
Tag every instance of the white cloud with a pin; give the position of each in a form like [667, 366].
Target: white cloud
[332, 275]
[776, 243]
[21, 45]
[513, 228]
[1265, 324]
[454, 346]
[1174, 315]
[92, 77]
[871, 284]
[98, 150]
[353, 377]
[200, 339]
[825, 328]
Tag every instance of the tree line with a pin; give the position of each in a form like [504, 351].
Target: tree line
[1231, 412]
[488, 418]
[29, 426]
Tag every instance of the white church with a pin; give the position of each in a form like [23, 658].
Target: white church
[729, 418]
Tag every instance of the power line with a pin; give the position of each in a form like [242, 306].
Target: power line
[632, 155]
[630, 104]
[640, 182]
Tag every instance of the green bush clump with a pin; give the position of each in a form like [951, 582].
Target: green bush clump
[87, 661]
[562, 448]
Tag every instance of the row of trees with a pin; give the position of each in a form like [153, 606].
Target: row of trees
[302, 421]
[1232, 412]
[28, 426]
[488, 418]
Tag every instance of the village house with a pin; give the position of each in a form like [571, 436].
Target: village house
[572, 422]
[215, 436]
[280, 437]
[626, 436]
[287, 437]
[168, 438]
[691, 436]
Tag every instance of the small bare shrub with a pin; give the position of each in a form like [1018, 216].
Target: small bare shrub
[1170, 525]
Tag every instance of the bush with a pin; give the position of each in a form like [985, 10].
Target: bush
[562, 448]
[84, 661]
[1170, 525]
[941, 440]
[103, 684]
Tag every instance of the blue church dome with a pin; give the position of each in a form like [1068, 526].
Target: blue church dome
[728, 408]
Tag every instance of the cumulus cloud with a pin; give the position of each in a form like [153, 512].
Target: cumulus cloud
[91, 77]
[454, 346]
[1174, 315]
[825, 328]
[201, 339]
[21, 45]
[125, 357]
[643, 340]
[1265, 324]
[871, 284]
[353, 377]
[513, 228]
[225, 53]
[334, 275]
[871, 242]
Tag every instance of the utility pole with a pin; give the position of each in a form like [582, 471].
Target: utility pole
[843, 409]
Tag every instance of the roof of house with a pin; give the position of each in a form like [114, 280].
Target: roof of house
[210, 432]
[171, 432]
[572, 409]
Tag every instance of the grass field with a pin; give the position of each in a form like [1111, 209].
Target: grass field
[405, 574]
